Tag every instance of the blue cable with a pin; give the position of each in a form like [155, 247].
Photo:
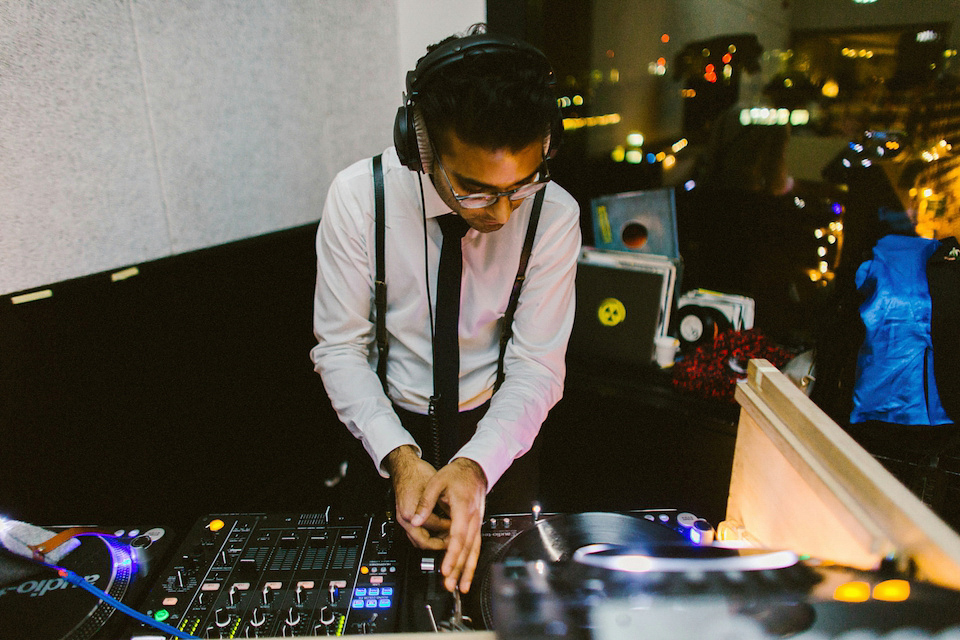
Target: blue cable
[76, 580]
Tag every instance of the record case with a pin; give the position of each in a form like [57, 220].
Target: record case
[637, 222]
[624, 301]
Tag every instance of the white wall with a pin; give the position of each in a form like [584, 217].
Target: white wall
[137, 129]
[425, 22]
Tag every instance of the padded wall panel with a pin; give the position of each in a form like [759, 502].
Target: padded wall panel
[137, 129]
[257, 105]
[78, 177]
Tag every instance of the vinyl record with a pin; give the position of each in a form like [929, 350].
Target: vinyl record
[45, 605]
[555, 539]
[40, 605]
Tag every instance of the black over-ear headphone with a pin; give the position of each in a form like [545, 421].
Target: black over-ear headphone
[409, 131]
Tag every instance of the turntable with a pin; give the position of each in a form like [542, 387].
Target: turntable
[38, 604]
[539, 538]
[570, 578]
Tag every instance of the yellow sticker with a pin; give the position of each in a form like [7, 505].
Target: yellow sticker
[606, 233]
[611, 312]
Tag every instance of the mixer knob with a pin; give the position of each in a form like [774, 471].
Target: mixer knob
[257, 618]
[333, 595]
[223, 618]
[268, 591]
[327, 616]
[702, 532]
[293, 617]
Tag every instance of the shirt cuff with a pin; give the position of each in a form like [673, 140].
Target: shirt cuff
[488, 451]
[383, 436]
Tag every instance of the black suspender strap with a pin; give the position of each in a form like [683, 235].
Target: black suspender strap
[507, 332]
[380, 284]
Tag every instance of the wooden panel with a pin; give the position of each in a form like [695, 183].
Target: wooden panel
[800, 482]
[776, 502]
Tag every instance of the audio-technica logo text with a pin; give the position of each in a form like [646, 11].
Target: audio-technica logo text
[34, 588]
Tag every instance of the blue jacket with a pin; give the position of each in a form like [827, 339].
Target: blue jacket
[894, 380]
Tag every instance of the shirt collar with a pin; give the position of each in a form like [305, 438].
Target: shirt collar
[434, 205]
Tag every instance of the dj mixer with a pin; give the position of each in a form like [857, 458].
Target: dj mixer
[284, 575]
[268, 575]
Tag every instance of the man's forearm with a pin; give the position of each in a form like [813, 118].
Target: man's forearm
[399, 459]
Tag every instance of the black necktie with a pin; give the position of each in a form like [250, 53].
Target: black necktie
[446, 347]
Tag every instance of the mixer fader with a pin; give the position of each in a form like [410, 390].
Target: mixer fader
[266, 575]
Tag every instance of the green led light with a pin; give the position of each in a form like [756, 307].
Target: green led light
[161, 615]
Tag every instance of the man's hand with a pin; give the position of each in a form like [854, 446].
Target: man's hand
[410, 475]
[460, 488]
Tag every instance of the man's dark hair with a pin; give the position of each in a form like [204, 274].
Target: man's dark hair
[493, 100]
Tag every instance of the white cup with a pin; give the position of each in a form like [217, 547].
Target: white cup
[666, 350]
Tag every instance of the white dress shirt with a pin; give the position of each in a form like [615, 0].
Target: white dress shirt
[346, 354]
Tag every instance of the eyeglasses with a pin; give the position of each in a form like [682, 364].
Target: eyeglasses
[481, 200]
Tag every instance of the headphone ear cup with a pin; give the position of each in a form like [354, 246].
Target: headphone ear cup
[411, 141]
[424, 148]
[403, 139]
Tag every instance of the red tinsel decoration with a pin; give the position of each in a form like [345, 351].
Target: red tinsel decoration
[712, 370]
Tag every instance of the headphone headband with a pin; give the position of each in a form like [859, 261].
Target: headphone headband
[460, 48]
[409, 131]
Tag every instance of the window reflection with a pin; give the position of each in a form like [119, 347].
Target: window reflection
[794, 132]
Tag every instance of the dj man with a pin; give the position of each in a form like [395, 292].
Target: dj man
[471, 146]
